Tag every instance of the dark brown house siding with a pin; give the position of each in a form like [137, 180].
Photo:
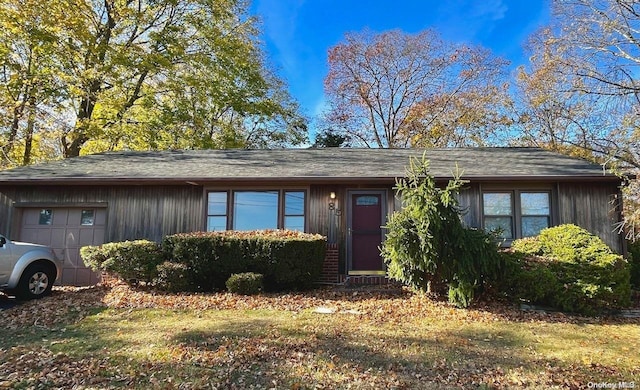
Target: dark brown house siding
[133, 212]
[593, 206]
[469, 201]
[5, 213]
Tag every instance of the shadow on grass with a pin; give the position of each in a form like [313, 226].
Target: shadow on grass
[291, 356]
[261, 349]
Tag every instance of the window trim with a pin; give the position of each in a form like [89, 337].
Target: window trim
[516, 205]
[230, 207]
[521, 215]
[512, 216]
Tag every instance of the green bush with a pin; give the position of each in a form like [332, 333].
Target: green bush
[287, 259]
[529, 278]
[247, 283]
[634, 263]
[173, 277]
[579, 271]
[530, 246]
[131, 261]
[427, 247]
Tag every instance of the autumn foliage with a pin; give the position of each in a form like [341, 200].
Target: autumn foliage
[394, 89]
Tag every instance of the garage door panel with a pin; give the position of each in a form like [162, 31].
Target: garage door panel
[69, 277]
[101, 217]
[98, 235]
[71, 237]
[59, 252]
[30, 217]
[43, 237]
[65, 234]
[29, 235]
[58, 235]
[59, 217]
[73, 218]
[87, 237]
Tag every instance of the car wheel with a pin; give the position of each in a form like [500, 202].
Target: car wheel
[36, 282]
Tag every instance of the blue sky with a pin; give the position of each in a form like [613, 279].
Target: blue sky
[298, 33]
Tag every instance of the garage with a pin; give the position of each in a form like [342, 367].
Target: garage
[66, 230]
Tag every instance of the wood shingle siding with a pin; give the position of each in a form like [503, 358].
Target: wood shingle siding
[5, 213]
[583, 204]
[133, 212]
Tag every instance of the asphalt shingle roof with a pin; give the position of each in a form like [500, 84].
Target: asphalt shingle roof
[304, 164]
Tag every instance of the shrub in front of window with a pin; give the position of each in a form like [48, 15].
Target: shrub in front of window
[589, 276]
[247, 283]
[131, 261]
[427, 247]
[209, 257]
[289, 260]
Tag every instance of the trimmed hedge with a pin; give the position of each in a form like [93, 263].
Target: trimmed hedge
[131, 261]
[173, 277]
[247, 283]
[569, 268]
[288, 260]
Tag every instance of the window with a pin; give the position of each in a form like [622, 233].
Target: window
[294, 210]
[217, 211]
[255, 210]
[367, 200]
[498, 213]
[46, 217]
[87, 218]
[534, 207]
[517, 213]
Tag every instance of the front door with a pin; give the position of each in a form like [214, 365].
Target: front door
[366, 216]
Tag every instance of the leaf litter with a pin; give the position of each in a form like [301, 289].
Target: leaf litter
[36, 366]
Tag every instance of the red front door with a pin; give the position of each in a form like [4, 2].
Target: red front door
[367, 215]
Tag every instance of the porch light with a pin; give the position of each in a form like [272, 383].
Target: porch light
[332, 195]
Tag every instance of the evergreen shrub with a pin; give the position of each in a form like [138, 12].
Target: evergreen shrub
[247, 283]
[131, 261]
[578, 270]
[288, 260]
[427, 246]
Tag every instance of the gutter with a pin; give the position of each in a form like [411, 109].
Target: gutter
[198, 181]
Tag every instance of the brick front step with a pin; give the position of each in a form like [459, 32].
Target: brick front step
[363, 280]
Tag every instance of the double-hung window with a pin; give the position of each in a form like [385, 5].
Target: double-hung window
[516, 213]
[256, 210]
[498, 212]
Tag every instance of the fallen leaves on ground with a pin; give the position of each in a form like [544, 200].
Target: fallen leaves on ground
[38, 367]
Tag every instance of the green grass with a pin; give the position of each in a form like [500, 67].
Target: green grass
[163, 348]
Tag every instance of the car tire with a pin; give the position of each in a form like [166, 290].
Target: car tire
[36, 282]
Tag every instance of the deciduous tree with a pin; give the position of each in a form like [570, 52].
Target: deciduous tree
[395, 89]
[141, 74]
[581, 94]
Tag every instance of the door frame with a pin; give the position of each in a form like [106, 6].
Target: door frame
[349, 245]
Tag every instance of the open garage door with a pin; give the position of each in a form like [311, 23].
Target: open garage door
[66, 230]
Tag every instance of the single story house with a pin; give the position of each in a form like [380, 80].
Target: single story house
[344, 194]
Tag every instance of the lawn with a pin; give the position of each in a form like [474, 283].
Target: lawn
[120, 337]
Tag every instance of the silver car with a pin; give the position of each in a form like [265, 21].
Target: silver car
[27, 270]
